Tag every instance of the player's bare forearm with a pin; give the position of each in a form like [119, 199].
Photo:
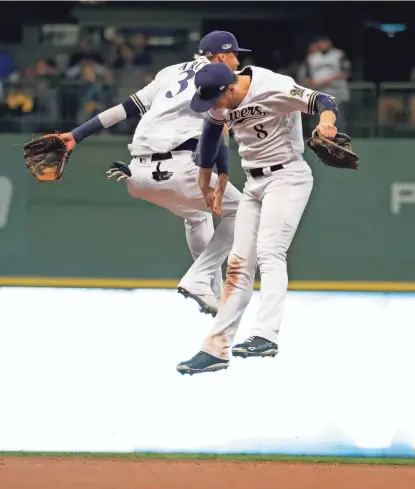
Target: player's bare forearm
[326, 125]
[219, 192]
[221, 183]
[327, 117]
[225, 135]
[205, 177]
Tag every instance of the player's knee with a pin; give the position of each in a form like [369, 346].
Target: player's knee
[237, 270]
[237, 275]
[193, 223]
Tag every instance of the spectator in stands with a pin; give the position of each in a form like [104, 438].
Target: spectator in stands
[412, 98]
[44, 79]
[303, 76]
[130, 53]
[85, 53]
[45, 69]
[78, 90]
[148, 78]
[7, 65]
[397, 107]
[76, 72]
[328, 69]
[18, 100]
[7, 69]
[139, 45]
[92, 91]
[123, 57]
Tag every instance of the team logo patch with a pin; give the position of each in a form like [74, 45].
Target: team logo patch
[296, 91]
[226, 46]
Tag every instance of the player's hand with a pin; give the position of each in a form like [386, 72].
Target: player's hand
[208, 195]
[119, 171]
[69, 140]
[326, 130]
[217, 202]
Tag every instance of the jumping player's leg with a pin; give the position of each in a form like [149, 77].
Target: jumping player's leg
[237, 293]
[198, 224]
[205, 268]
[239, 279]
[282, 208]
[198, 234]
[182, 196]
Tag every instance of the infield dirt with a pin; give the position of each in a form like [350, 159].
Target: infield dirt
[107, 473]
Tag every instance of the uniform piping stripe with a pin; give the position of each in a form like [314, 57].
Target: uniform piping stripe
[215, 121]
[311, 102]
[138, 103]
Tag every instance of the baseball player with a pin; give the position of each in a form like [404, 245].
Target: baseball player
[162, 170]
[264, 110]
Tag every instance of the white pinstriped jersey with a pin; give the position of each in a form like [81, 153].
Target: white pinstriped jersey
[167, 119]
[321, 66]
[267, 123]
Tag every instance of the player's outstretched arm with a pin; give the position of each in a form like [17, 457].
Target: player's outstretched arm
[132, 107]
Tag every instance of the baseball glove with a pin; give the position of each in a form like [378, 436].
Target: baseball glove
[46, 157]
[336, 152]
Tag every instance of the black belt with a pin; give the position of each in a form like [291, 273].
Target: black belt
[261, 172]
[189, 145]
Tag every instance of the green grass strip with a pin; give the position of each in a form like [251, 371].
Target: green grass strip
[221, 457]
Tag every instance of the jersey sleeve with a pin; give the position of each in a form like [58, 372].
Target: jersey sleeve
[292, 97]
[144, 97]
[216, 117]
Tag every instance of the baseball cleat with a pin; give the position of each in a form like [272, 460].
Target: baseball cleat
[207, 302]
[202, 362]
[255, 346]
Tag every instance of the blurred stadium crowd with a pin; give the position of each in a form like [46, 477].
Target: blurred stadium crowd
[72, 86]
[77, 82]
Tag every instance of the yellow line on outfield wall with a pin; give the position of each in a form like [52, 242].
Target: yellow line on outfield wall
[125, 283]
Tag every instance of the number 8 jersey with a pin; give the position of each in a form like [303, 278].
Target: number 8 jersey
[166, 117]
[267, 123]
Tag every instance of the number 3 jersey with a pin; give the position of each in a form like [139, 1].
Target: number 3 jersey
[166, 117]
[267, 123]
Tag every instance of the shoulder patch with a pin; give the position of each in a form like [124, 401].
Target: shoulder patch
[297, 91]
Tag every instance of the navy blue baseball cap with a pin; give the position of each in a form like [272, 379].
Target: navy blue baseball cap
[220, 42]
[211, 82]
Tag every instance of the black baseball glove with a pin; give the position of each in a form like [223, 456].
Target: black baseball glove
[46, 157]
[336, 152]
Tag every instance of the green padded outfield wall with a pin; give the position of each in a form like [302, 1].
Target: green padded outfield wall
[354, 229]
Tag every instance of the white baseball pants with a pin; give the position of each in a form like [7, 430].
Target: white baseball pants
[182, 196]
[267, 219]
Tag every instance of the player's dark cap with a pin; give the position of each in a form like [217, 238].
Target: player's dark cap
[211, 82]
[220, 42]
